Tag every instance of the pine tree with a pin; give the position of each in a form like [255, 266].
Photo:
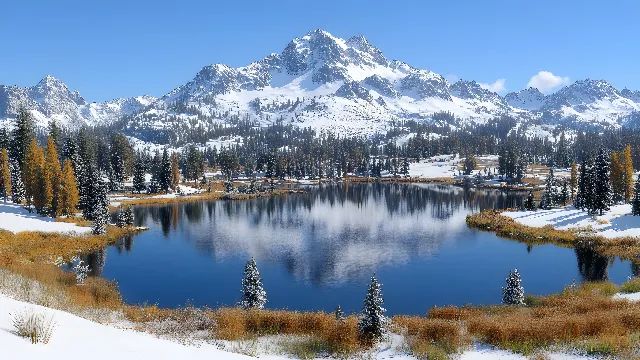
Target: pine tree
[513, 293]
[550, 194]
[601, 183]
[339, 314]
[121, 220]
[564, 192]
[253, 294]
[18, 192]
[175, 171]
[52, 174]
[139, 175]
[573, 182]
[405, 167]
[635, 202]
[469, 163]
[128, 216]
[165, 174]
[69, 196]
[373, 323]
[5, 175]
[100, 211]
[627, 171]
[530, 202]
[22, 135]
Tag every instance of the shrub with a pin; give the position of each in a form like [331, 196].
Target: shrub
[631, 286]
[37, 327]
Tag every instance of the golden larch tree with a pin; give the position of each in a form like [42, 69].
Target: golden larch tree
[68, 190]
[51, 179]
[5, 175]
[626, 162]
[617, 185]
[32, 169]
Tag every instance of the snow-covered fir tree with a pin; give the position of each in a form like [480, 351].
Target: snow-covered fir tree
[635, 200]
[253, 294]
[81, 272]
[139, 175]
[128, 216]
[100, 211]
[530, 203]
[373, 322]
[513, 292]
[602, 197]
[339, 314]
[550, 194]
[18, 193]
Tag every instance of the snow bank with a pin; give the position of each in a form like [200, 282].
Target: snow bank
[435, 167]
[630, 297]
[15, 218]
[74, 335]
[617, 222]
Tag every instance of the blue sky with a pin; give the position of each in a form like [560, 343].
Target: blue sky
[109, 49]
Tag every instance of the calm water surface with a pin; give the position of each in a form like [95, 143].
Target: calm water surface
[317, 250]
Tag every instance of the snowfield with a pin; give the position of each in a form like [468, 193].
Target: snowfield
[435, 167]
[16, 218]
[617, 222]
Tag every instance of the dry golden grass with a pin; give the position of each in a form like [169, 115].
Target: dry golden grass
[504, 226]
[583, 317]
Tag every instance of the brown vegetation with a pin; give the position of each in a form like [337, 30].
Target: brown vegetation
[504, 226]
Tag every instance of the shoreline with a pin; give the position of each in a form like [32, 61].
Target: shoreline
[626, 248]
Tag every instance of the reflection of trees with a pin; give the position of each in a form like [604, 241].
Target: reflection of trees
[96, 262]
[125, 244]
[335, 231]
[591, 265]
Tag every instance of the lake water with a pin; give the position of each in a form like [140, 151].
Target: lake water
[318, 250]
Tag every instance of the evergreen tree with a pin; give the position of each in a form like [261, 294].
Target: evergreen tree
[405, 167]
[5, 175]
[564, 192]
[18, 192]
[373, 323]
[550, 194]
[530, 204]
[175, 171]
[635, 202]
[601, 183]
[22, 135]
[253, 294]
[100, 213]
[339, 314]
[513, 293]
[165, 175]
[69, 196]
[139, 175]
[469, 163]
[573, 182]
[128, 216]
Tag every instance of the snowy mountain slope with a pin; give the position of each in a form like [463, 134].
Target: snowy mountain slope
[329, 84]
[51, 99]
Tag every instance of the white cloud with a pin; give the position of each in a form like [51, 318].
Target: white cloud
[497, 86]
[545, 81]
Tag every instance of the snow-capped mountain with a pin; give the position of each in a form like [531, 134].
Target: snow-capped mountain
[51, 99]
[329, 84]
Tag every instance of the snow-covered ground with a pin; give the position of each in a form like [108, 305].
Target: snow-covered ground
[630, 297]
[16, 218]
[617, 222]
[435, 167]
[73, 334]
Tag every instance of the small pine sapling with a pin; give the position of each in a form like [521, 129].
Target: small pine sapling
[373, 323]
[82, 272]
[513, 292]
[253, 294]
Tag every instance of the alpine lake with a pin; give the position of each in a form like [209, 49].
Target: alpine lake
[319, 249]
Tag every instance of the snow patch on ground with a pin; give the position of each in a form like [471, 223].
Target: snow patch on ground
[617, 222]
[435, 167]
[630, 297]
[16, 218]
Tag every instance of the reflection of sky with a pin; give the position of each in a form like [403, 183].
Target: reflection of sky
[317, 250]
[326, 239]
